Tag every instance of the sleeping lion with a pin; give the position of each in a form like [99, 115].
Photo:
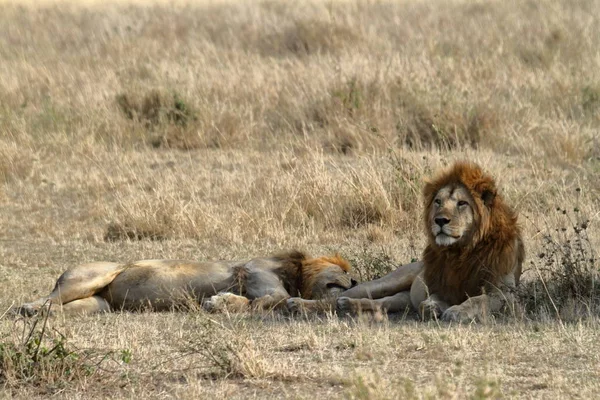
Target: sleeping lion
[260, 283]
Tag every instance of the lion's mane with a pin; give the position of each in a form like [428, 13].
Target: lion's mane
[492, 249]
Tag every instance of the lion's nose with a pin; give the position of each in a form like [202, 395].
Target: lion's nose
[441, 221]
[353, 282]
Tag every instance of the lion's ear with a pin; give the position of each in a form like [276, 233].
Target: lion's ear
[488, 197]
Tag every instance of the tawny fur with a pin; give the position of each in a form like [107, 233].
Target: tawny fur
[311, 269]
[490, 251]
[263, 283]
[290, 271]
[472, 261]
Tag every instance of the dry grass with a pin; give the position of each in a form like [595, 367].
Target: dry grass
[230, 129]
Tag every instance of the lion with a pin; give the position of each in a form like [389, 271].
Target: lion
[471, 264]
[256, 284]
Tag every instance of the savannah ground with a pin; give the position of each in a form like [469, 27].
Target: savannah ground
[218, 129]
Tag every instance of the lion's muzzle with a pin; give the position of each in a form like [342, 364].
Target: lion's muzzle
[441, 221]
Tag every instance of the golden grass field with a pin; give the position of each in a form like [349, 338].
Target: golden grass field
[231, 129]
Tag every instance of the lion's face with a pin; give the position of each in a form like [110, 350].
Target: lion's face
[452, 215]
[330, 282]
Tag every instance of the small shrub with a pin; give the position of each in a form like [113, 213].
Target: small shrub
[126, 356]
[590, 99]
[166, 118]
[368, 264]
[486, 388]
[42, 357]
[155, 107]
[117, 232]
[408, 180]
[158, 217]
[228, 353]
[543, 54]
[566, 272]
[446, 128]
[357, 214]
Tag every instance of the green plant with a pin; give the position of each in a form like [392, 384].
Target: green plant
[126, 356]
[42, 356]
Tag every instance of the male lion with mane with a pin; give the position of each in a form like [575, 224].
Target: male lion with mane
[259, 284]
[472, 261]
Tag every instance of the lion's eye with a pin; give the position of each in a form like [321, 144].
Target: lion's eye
[437, 202]
[462, 203]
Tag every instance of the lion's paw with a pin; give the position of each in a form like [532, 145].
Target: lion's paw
[456, 314]
[221, 302]
[429, 309]
[294, 305]
[29, 309]
[345, 305]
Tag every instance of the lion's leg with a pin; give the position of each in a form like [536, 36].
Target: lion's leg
[475, 307]
[479, 307]
[300, 305]
[262, 288]
[76, 283]
[269, 302]
[89, 305]
[396, 281]
[432, 307]
[265, 290]
[427, 305]
[398, 302]
[234, 303]
[418, 291]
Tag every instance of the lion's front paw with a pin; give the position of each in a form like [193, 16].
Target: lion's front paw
[294, 305]
[225, 301]
[429, 309]
[456, 314]
[345, 305]
[211, 305]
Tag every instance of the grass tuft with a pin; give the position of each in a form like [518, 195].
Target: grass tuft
[228, 351]
[304, 38]
[360, 114]
[166, 117]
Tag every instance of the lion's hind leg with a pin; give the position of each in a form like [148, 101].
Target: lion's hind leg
[89, 305]
[81, 282]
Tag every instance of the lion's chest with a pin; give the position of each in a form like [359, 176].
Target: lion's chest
[456, 285]
[454, 281]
